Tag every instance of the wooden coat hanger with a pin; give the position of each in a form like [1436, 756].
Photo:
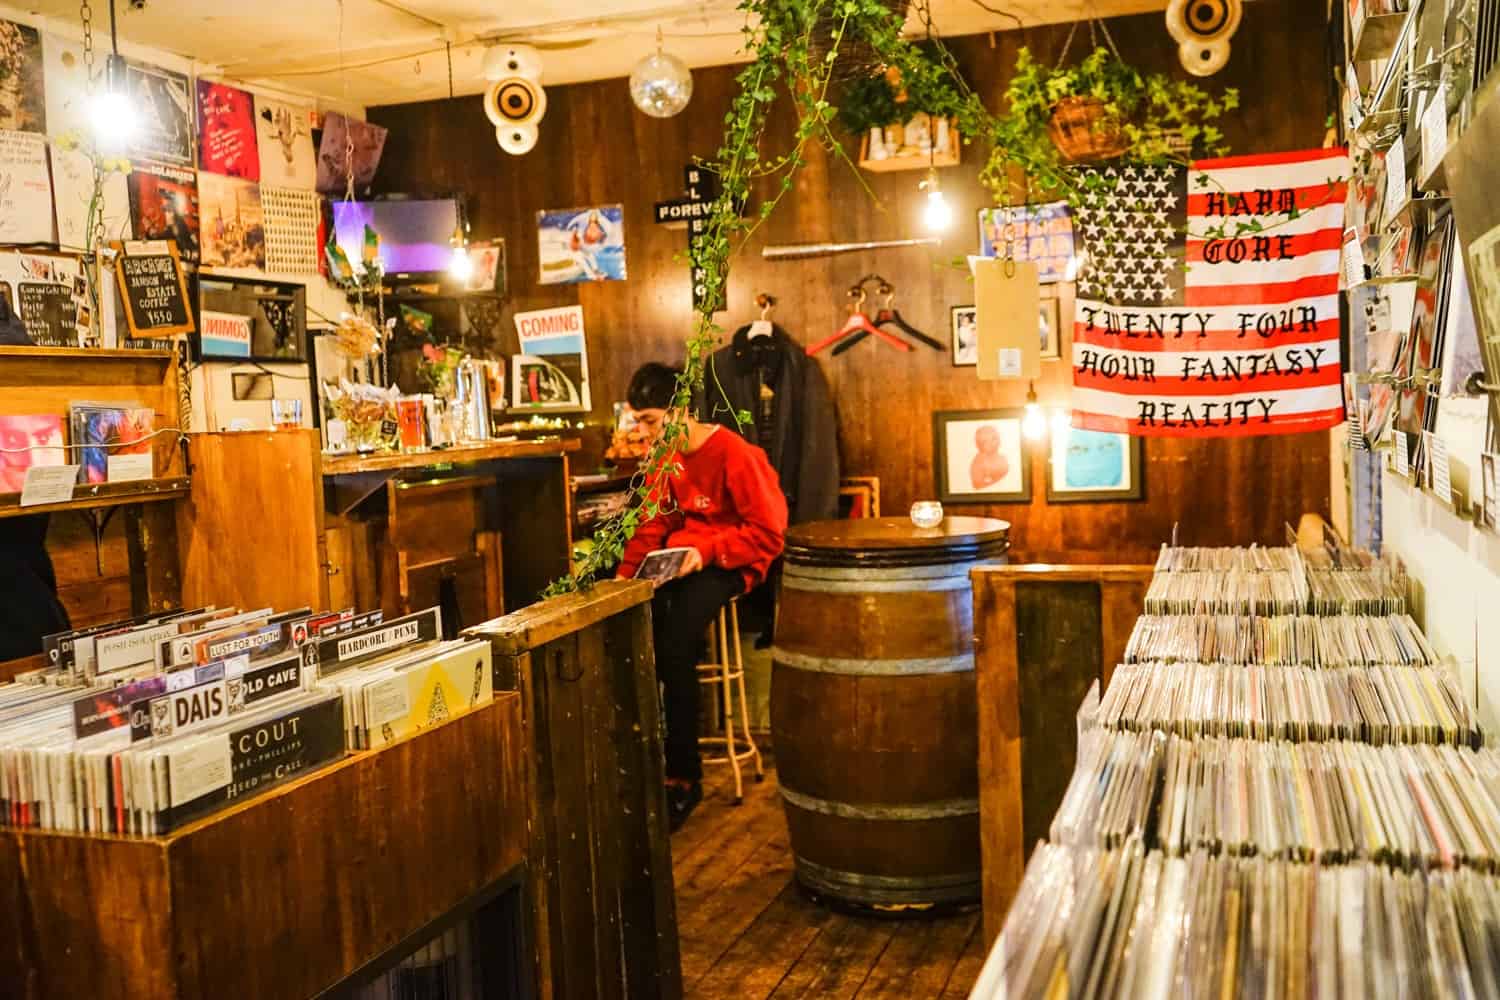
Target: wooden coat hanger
[763, 326]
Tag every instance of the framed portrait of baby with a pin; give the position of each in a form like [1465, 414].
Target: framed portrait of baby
[980, 456]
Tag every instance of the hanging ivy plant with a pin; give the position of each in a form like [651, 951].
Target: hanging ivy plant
[815, 54]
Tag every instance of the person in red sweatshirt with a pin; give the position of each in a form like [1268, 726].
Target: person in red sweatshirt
[721, 499]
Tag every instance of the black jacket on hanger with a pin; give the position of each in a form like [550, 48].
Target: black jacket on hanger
[795, 423]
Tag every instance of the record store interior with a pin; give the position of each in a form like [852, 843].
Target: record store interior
[748, 499]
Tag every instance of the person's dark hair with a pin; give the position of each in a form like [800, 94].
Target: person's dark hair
[653, 387]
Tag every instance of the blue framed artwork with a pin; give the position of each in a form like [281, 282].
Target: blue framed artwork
[1093, 466]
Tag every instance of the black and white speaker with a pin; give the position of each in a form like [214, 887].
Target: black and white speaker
[514, 102]
[1202, 29]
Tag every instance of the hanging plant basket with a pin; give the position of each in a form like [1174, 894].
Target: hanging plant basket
[1084, 131]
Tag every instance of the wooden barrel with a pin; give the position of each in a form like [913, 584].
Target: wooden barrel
[873, 710]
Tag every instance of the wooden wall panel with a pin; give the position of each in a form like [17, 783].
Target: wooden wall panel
[596, 148]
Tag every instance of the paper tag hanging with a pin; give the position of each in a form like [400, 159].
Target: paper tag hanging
[1006, 293]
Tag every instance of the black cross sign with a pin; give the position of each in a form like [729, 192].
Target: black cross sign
[692, 213]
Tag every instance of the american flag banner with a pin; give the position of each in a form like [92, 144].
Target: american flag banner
[1208, 304]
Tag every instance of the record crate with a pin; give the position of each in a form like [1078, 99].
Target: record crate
[287, 895]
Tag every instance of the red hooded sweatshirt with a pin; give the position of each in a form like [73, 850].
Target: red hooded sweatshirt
[726, 502]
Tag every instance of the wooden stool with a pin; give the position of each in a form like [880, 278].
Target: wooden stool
[731, 675]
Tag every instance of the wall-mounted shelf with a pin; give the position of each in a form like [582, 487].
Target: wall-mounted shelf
[96, 496]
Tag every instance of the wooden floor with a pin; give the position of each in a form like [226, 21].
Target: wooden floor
[749, 933]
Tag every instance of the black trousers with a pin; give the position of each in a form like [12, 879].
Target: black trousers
[680, 614]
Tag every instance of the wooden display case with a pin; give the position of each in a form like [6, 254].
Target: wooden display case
[281, 898]
[1043, 635]
[600, 871]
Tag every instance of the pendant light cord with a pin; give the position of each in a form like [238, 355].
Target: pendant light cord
[449, 47]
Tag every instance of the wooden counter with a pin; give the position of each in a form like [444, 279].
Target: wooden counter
[342, 465]
[1042, 635]
[305, 529]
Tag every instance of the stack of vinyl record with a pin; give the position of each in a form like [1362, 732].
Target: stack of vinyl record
[1282, 793]
[1134, 924]
[139, 727]
[1282, 640]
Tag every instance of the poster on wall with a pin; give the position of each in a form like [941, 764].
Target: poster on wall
[23, 102]
[164, 206]
[226, 131]
[291, 216]
[72, 171]
[1042, 234]
[552, 370]
[1187, 324]
[40, 288]
[283, 137]
[25, 189]
[164, 103]
[233, 232]
[581, 244]
[333, 153]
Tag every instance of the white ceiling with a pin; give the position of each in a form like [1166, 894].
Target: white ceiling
[393, 50]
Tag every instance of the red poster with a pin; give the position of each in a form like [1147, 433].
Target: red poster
[226, 131]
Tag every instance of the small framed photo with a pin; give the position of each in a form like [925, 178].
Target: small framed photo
[487, 273]
[1049, 322]
[965, 323]
[980, 456]
[1491, 480]
[1094, 466]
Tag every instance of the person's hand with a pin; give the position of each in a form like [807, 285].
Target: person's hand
[691, 563]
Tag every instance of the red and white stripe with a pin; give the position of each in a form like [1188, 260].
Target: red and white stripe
[1141, 370]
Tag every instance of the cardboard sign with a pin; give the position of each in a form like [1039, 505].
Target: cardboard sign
[153, 288]
[1007, 293]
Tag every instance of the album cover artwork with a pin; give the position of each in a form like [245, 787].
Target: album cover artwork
[226, 131]
[27, 440]
[164, 104]
[104, 431]
[283, 136]
[232, 225]
[333, 153]
[23, 102]
[164, 206]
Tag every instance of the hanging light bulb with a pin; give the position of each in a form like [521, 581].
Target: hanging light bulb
[660, 84]
[460, 266]
[1033, 421]
[937, 214]
[112, 117]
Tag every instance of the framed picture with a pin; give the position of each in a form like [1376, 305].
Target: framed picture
[980, 456]
[488, 272]
[964, 321]
[1049, 323]
[1093, 466]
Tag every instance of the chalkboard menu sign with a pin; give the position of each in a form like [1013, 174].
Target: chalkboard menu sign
[48, 312]
[153, 288]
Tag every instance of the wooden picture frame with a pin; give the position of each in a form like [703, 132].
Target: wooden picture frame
[980, 456]
[1049, 323]
[1102, 472]
[964, 318]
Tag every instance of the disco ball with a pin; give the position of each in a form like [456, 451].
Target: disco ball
[661, 85]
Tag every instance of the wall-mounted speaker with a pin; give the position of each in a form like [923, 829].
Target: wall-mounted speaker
[515, 101]
[1202, 29]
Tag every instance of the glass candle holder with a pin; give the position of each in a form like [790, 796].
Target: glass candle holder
[927, 513]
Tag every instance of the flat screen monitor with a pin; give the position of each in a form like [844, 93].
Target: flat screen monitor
[415, 236]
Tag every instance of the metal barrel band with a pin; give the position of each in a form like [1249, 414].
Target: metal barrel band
[872, 668]
[888, 890]
[800, 555]
[907, 812]
[909, 574]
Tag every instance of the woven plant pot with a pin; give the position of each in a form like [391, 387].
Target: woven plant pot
[1084, 132]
